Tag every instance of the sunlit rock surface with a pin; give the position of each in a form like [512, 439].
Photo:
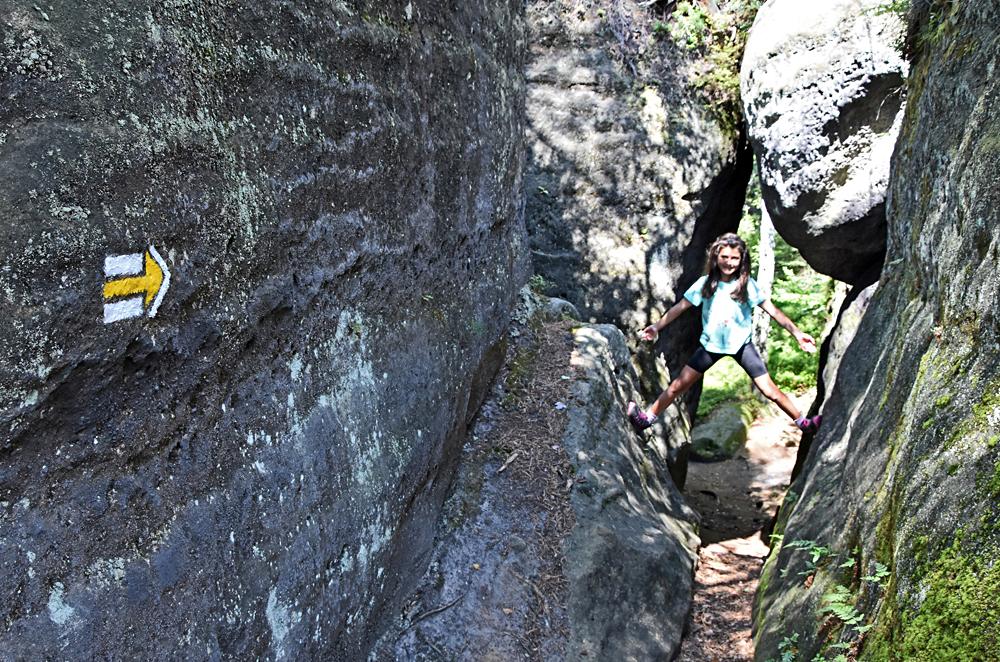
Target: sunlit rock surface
[823, 91]
[905, 473]
[630, 557]
[563, 540]
[335, 192]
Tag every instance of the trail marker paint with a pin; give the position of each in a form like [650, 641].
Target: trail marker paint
[135, 284]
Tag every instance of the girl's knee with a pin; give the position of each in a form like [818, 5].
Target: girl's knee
[677, 387]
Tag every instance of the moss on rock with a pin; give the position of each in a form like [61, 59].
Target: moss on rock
[958, 618]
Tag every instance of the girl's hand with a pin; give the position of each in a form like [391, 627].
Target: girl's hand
[649, 333]
[806, 342]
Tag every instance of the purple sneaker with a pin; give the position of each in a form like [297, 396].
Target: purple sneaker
[639, 419]
[809, 424]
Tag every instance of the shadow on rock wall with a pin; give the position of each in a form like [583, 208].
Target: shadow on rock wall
[248, 467]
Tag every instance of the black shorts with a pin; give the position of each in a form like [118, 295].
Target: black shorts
[747, 356]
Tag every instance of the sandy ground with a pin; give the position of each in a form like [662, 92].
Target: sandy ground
[735, 498]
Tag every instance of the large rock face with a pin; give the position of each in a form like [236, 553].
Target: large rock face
[629, 175]
[905, 474]
[334, 192]
[823, 91]
[630, 558]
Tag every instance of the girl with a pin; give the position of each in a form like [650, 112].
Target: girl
[727, 295]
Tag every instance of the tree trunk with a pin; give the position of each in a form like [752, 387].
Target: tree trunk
[765, 279]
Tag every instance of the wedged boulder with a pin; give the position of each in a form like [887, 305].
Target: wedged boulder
[630, 557]
[823, 91]
[902, 485]
[248, 466]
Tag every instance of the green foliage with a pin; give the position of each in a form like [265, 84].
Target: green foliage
[817, 554]
[838, 603]
[959, 617]
[719, 36]
[941, 20]
[993, 486]
[661, 30]
[539, 284]
[690, 26]
[898, 7]
[787, 647]
[725, 382]
[979, 419]
[804, 296]
[819, 657]
[880, 575]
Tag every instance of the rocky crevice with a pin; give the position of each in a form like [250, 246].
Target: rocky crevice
[564, 536]
[902, 478]
[629, 175]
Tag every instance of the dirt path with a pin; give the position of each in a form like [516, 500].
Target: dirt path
[735, 498]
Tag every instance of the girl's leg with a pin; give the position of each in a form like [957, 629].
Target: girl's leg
[749, 358]
[684, 381]
[771, 391]
[689, 375]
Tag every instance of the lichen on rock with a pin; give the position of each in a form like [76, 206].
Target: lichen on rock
[336, 192]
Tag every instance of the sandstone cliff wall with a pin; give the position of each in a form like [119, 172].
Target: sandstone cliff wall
[902, 484]
[246, 466]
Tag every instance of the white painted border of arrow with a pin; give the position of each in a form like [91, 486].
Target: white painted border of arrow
[163, 286]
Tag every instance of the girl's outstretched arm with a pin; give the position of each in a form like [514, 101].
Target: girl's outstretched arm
[651, 331]
[805, 341]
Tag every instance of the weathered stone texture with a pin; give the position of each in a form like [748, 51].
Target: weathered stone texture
[906, 470]
[497, 587]
[335, 188]
[823, 93]
[630, 557]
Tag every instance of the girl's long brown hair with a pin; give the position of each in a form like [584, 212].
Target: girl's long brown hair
[728, 240]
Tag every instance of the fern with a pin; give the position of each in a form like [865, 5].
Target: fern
[879, 576]
[839, 603]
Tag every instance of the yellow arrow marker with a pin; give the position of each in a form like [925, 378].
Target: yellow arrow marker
[148, 283]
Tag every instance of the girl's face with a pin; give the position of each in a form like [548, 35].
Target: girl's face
[729, 261]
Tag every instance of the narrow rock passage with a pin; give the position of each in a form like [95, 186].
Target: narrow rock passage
[735, 498]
